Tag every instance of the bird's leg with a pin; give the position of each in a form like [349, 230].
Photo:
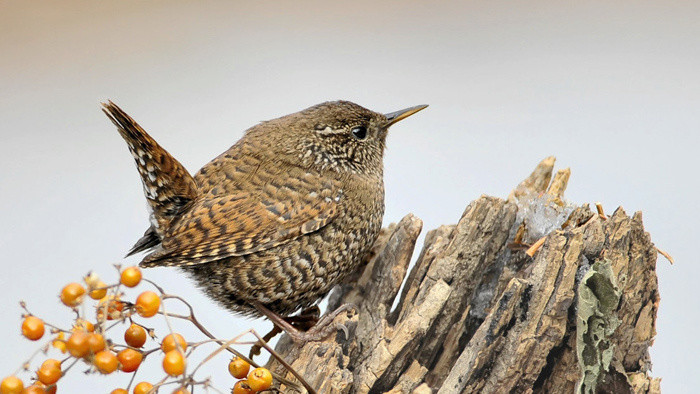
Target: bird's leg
[257, 347]
[321, 330]
[303, 321]
[306, 319]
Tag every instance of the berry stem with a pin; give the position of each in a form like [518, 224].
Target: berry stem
[25, 364]
[192, 319]
[221, 348]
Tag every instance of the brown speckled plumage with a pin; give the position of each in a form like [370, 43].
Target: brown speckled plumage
[280, 217]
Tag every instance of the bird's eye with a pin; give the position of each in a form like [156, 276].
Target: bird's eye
[359, 132]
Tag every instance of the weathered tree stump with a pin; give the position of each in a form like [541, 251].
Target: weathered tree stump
[478, 314]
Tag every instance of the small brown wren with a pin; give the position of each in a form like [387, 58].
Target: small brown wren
[274, 222]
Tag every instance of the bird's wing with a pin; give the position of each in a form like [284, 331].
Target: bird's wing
[243, 223]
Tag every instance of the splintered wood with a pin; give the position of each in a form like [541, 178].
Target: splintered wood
[476, 314]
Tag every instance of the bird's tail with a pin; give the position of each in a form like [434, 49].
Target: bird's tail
[168, 186]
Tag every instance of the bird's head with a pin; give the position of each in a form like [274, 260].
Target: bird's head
[338, 136]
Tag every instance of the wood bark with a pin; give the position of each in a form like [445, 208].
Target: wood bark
[477, 314]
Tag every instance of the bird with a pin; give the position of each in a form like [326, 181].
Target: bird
[271, 225]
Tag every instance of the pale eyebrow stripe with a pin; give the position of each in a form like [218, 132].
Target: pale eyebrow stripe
[328, 131]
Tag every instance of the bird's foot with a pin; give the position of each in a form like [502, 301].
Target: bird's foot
[323, 328]
[302, 322]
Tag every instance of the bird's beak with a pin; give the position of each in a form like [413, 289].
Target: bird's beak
[394, 117]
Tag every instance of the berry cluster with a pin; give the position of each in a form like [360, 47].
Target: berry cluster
[257, 380]
[87, 341]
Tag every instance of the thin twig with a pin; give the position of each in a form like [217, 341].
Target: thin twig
[192, 319]
[63, 371]
[668, 256]
[535, 247]
[601, 212]
[170, 328]
[220, 349]
[131, 381]
[23, 305]
[284, 363]
[24, 366]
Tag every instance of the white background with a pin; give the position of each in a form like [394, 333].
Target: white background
[611, 88]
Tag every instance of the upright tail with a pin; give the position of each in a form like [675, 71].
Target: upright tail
[166, 183]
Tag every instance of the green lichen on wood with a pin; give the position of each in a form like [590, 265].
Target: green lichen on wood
[598, 298]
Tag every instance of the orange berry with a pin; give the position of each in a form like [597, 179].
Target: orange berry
[135, 336]
[49, 372]
[241, 387]
[129, 359]
[48, 376]
[33, 328]
[106, 362]
[78, 345]
[147, 304]
[238, 368]
[99, 292]
[174, 363]
[83, 325]
[143, 388]
[11, 385]
[181, 390]
[40, 388]
[51, 363]
[260, 379]
[171, 342]
[96, 342]
[119, 391]
[72, 294]
[36, 388]
[131, 277]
